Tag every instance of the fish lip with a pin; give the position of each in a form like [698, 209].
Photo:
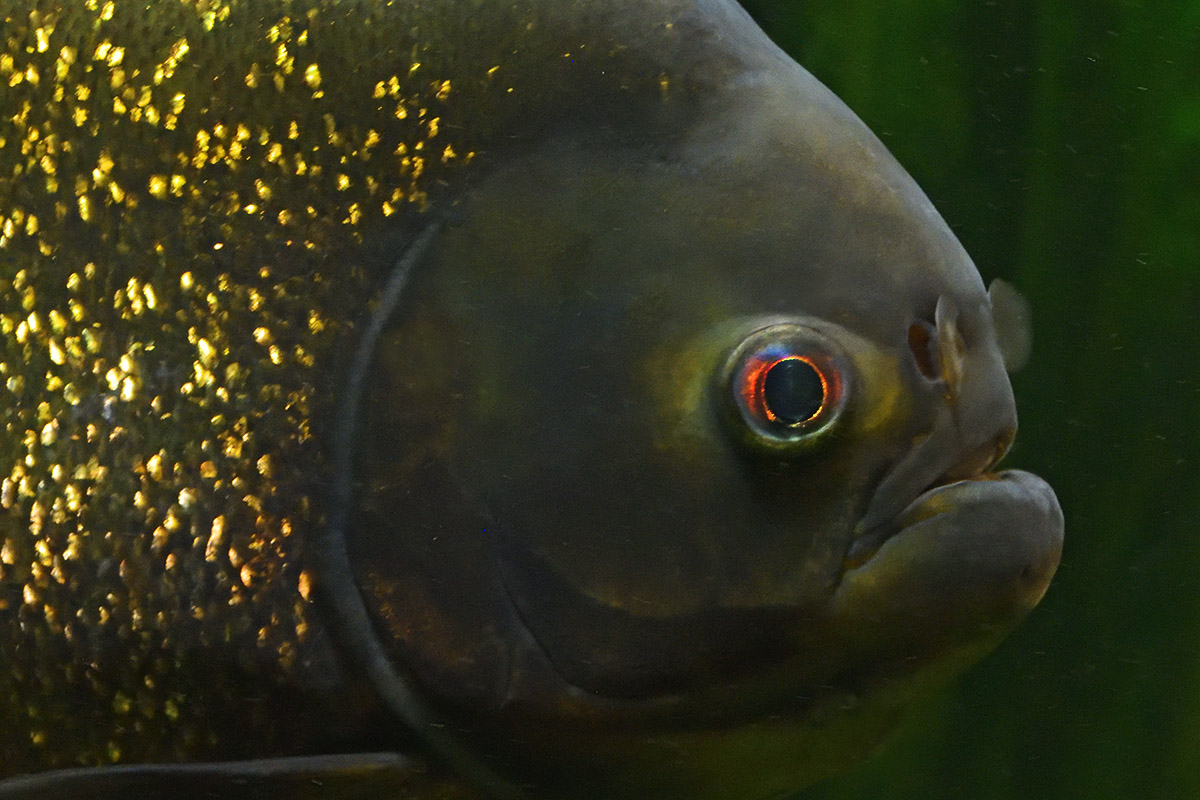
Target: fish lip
[888, 514]
[1011, 540]
[963, 562]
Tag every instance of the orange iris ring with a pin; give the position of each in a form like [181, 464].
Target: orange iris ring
[752, 389]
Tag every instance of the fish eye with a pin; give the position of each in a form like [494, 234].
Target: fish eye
[792, 390]
[786, 383]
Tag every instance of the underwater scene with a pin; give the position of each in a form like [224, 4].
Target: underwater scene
[1061, 141]
[599, 399]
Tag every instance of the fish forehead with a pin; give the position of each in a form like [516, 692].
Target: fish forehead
[840, 222]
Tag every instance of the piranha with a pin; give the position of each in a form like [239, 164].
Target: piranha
[464, 398]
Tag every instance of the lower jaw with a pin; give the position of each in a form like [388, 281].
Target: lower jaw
[965, 563]
[867, 543]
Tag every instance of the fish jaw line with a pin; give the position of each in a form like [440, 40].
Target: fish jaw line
[963, 563]
[889, 511]
[970, 429]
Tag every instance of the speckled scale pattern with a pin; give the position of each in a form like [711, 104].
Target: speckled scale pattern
[199, 202]
[185, 188]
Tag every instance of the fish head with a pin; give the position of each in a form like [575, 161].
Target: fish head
[677, 464]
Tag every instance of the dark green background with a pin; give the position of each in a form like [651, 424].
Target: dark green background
[1062, 143]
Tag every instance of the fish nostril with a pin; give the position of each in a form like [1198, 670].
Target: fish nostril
[922, 342]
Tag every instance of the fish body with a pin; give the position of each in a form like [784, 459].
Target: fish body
[581, 377]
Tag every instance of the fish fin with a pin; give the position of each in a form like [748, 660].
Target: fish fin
[1013, 321]
[358, 776]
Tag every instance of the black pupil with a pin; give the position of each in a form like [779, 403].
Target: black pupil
[792, 391]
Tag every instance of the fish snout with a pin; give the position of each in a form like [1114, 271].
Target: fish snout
[945, 538]
[972, 418]
[967, 561]
[960, 356]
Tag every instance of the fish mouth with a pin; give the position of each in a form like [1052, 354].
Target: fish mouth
[956, 564]
[889, 512]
